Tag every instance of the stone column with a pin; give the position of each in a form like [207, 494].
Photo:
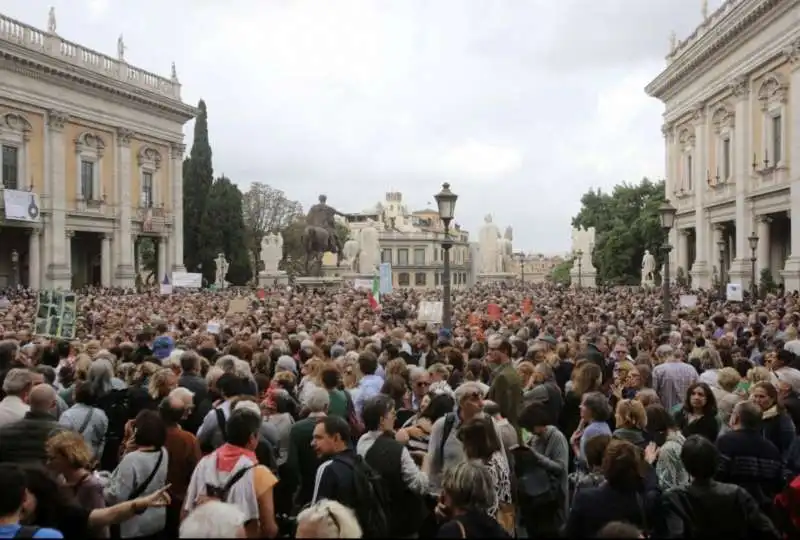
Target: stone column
[176, 240]
[105, 260]
[763, 251]
[162, 247]
[59, 274]
[700, 268]
[34, 259]
[125, 274]
[683, 252]
[68, 236]
[740, 267]
[791, 272]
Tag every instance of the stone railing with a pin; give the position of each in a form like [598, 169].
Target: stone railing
[708, 24]
[56, 47]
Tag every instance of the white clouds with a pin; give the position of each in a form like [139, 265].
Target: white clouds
[480, 162]
[97, 8]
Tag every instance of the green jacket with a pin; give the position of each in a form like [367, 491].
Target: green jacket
[506, 391]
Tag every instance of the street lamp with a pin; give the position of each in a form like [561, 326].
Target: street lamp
[721, 246]
[753, 239]
[667, 214]
[15, 266]
[446, 201]
[579, 255]
[521, 257]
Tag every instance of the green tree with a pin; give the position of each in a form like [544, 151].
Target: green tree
[228, 237]
[626, 223]
[198, 177]
[560, 273]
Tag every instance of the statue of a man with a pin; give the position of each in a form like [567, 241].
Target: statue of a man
[121, 48]
[51, 20]
[322, 215]
[648, 266]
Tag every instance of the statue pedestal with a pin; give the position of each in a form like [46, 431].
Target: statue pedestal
[318, 282]
[648, 283]
[273, 278]
[496, 277]
[588, 277]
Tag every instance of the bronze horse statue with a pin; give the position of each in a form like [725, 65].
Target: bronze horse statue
[316, 241]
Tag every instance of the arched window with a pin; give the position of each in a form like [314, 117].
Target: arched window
[149, 166]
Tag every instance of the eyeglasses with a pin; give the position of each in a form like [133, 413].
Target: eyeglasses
[423, 383]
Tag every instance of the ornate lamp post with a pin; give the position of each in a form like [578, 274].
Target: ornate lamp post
[579, 255]
[521, 256]
[721, 246]
[753, 239]
[15, 266]
[667, 214]
[446, 201]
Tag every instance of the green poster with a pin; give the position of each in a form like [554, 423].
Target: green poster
[56, 314]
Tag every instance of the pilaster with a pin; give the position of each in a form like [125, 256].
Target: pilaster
[700, 270]
[59, 275]
[35, 259]
[176, 238]
[741, 266]
[105, 260]
[791, 272]
[125, 274]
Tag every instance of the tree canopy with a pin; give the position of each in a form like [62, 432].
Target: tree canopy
[266, 210]
[225, 206]
[626, 223]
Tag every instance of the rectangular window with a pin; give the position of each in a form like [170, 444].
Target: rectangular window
[419, 279]
[386, 255]
[147, 190]
[777, 139]
[436, 279]
[10, 172]
[419, 256]
[726, 159]
[402, 257]
[87, 180]
[403, 279]
[689, 172]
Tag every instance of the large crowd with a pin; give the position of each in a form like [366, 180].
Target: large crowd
[544, 411]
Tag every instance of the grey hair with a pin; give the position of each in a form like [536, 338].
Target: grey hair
[467, 388]
[214, 373]
[247, 405]
[17, 381]
[598, 405]
[469, 486]
[318, 400]
[242, 368]
[99, 377]
[227, 363]
[182, 393]
[214, 519]
[331, 519]
[415, 372]
[545, 371]
[664, 351]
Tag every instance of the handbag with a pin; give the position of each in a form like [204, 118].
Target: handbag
[536, 485]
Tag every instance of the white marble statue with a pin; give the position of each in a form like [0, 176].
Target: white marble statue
[648, 268]
[350, 251]
[369, 256]
[121, 48]
[222, 270]
[51, 20]
[505, 259]
[583, 240]
[489, 248]
[271, 252]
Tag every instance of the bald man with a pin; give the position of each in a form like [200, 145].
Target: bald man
[24, 440]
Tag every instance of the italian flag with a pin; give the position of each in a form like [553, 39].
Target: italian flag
[375, 295]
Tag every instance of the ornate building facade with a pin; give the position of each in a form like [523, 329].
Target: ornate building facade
[99, 143]
[412, 242]
[536, 268]
[732, 138]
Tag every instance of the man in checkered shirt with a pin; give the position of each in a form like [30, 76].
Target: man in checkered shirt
[672, 377]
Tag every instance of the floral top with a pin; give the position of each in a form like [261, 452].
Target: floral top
[669, 467]
[501, 479]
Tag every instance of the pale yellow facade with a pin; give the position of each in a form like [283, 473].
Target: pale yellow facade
[99, 144]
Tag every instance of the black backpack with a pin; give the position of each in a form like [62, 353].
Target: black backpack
[221, 492]
[116, 406]
[371, 500]
[265, 452]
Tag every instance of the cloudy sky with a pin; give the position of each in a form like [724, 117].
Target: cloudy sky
[522, 105]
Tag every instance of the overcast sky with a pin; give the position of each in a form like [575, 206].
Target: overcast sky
[522, 105]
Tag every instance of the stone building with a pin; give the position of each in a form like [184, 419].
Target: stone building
[732, 137]
[536, 268]
[99, 144]
[411, 241]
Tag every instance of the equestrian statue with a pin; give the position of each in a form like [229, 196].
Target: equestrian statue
[319, 235]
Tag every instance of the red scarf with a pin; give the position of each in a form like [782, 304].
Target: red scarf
[228, 456]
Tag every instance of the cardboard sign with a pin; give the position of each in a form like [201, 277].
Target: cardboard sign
[261, 294]
[688, 301]
[527, 306]
[430, 312]
[493, 311]
[734, 292]
[165, 289]
[213, 327]
[237, 305]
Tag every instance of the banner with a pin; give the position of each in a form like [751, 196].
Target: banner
[56, 314]
[385, 276]
[21, 205]
[187, 280]
[365, 284]
[165, 289]
[238, 305]
[430, 312]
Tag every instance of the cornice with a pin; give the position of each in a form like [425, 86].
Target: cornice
[712, 45]
[42, 67]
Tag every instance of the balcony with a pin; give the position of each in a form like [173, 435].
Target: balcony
[96, 207]
[153, 219]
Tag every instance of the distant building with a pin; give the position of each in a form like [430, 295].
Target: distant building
[412, 242]
[536, 268]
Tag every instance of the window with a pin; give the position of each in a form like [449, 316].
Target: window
[87, 180]
[436, 279]
[419, 279]
[147, 190]
[777, 139]
[404, 279]
[419, 256]
[726, 158]
[386, 255]
[688, 173]
[402, 257]
[10, 172]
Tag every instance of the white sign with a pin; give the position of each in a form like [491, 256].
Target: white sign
[212, 327]
[188, 280]
[430, 312]
[688, 301]
[385, 278]
[21, 205]
[166, 288]
[734, 291]
[5, 303]
[362, 284]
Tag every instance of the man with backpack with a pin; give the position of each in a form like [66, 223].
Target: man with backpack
[345, 477]
[233, 475]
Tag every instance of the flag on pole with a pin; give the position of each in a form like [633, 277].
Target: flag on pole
[375, 294]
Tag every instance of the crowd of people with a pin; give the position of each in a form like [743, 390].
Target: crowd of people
[544, 411]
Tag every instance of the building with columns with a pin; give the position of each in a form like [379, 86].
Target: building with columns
[412, 242]
[100, 142]
[537, 267]
[732, 138]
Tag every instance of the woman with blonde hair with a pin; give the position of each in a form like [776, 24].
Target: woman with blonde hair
[586, 378]
[327, 519]
[525, 371]
[631, 421]
[311, 371]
